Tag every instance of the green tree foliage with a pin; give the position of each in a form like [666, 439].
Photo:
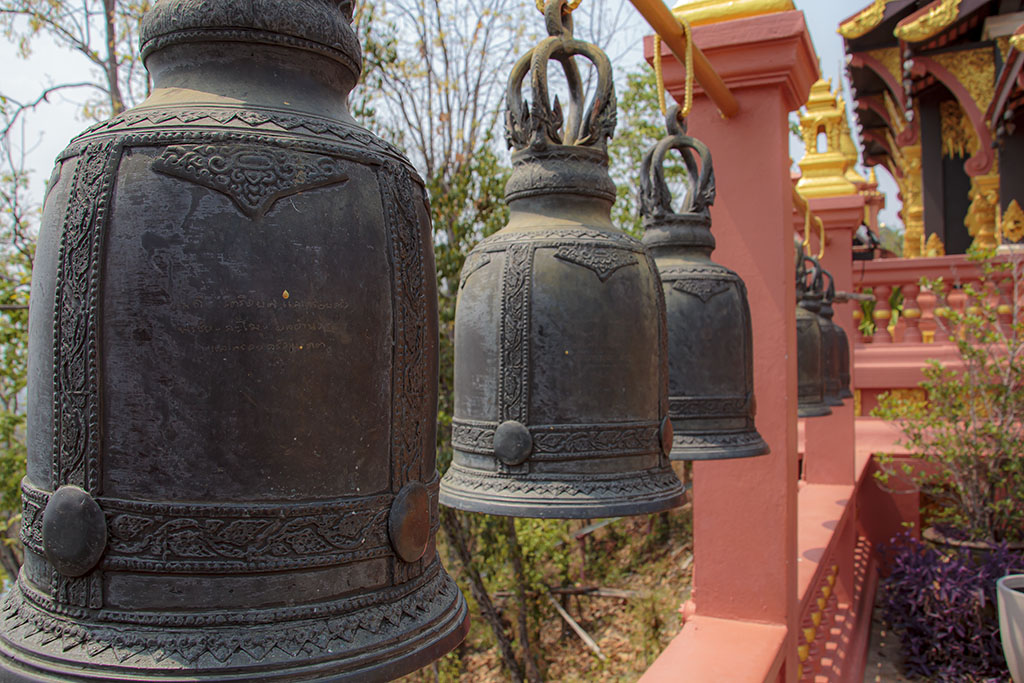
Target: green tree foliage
[104, 33]
[17, 248]
[641, 125]
[969, 432]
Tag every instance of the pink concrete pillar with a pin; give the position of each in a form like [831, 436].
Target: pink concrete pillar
[829, 448]
[745, 511]
[829, 453]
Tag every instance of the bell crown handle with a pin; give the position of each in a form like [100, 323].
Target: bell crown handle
[347, 8]
[817, 286]
[654, 196]
[830, 291]
[544, 124]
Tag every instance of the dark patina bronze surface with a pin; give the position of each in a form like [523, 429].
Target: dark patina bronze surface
[832, 344]
[233, 377]
[810, 344]
[560, 348]
[711, 357]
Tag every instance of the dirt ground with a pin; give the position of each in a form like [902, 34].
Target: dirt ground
[884, 661]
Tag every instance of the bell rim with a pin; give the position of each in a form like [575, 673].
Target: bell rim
[24, 661]
[717, 450]
[834, 400]
[816, 409]
[660, 499]
[845, 393]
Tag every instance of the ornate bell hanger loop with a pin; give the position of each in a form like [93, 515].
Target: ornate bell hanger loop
[654, 197]
[711, 386]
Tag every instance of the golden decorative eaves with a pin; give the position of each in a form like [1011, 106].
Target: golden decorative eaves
[1013, 222]
[942, 14]
[864, 21]
[700, 12]
[1017, 42]
[889, 57]
[975, 69]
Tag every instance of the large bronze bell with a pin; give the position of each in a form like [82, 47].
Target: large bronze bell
[810, 345]
[844, 363]
[832, 344]
[233, 377]
[561, 371]
[711, 373]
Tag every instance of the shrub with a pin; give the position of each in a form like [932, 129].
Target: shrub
[969, 432]
[942, 605]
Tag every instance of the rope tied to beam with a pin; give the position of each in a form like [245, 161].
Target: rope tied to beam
[687, 67]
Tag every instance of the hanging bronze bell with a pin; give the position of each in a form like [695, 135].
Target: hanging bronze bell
[560, 349]
[233, 377]
[810, 346]
[711, 364]
[831, 344]
[844, 363]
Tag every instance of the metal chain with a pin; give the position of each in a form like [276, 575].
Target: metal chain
[688, 67]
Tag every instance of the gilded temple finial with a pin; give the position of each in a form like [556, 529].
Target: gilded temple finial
[824, 169]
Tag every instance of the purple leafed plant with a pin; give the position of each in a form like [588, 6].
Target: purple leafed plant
[942, 605]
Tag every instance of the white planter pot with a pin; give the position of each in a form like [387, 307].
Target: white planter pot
[1011, 622]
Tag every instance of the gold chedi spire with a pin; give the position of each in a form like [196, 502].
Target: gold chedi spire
[824, 166]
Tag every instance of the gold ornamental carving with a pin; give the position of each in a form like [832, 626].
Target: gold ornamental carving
[942, 14]
[913, 205]
[1013, 222]
[699, 12]
[889, 57]
[909, 395]
[848, 148]
[1003, 42]
[864, 21]
[958, 137]
[896, 115]
[975, 69]
[934, 246]
[1017, 42]
[981, 215]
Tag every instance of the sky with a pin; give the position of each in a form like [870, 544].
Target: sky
[55, 122]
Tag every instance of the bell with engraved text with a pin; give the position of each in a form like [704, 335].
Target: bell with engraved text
[233, 377]
[711, 364]
[560, 351]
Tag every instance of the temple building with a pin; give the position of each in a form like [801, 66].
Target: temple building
[938, 94]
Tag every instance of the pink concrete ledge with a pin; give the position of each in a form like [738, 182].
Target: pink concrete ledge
[891, 366]
[710, 649]
[824, 510]
[875, 435]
